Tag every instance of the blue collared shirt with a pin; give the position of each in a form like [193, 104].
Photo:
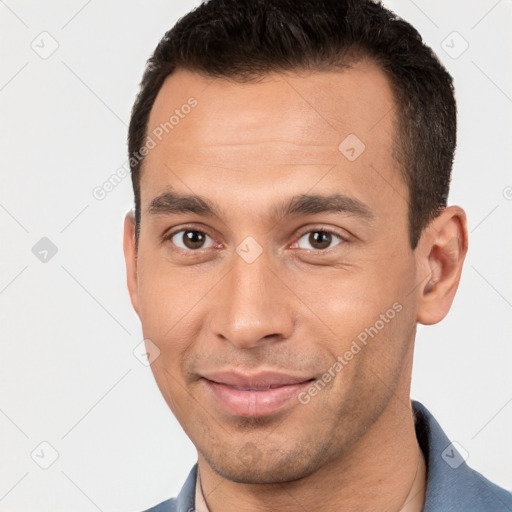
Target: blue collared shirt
[452, 486]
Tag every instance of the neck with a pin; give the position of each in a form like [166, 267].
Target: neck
[384, 470]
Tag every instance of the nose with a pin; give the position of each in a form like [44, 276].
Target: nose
[252, 305]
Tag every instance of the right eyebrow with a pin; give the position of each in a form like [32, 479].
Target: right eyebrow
[171, 202]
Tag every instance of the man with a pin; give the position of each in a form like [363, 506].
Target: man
[291, 163]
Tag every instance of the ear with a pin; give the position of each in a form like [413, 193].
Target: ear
[440, 256]
[130, 256]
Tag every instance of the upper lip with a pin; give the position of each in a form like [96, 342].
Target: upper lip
[259, 380]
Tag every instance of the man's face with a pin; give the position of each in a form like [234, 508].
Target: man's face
[259, 284]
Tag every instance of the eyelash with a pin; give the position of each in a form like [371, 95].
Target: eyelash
[343, 239]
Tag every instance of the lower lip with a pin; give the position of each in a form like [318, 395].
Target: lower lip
[255, 403]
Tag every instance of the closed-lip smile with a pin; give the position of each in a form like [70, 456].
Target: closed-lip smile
[257, 394]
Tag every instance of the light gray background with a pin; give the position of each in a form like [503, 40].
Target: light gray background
[68, 373]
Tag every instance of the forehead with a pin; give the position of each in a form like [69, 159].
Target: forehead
[284, 128]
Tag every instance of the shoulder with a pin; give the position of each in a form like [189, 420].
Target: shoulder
[452, 485]
[487, 494]
[166, 506]
[185, 502]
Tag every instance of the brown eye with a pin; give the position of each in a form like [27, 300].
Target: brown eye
[318, 240]
[191, 239]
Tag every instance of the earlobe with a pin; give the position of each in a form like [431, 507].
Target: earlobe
[440, 258]
[130, 256]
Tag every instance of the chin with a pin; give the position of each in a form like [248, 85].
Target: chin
[244, 475]
[252, 467]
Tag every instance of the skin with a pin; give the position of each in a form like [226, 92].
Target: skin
[247, 149]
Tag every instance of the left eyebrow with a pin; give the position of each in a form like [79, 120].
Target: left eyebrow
[308, 204]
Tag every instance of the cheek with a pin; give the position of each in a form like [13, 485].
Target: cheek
[166, 304]
[166, 293]
[365, 313]
[345, 300]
